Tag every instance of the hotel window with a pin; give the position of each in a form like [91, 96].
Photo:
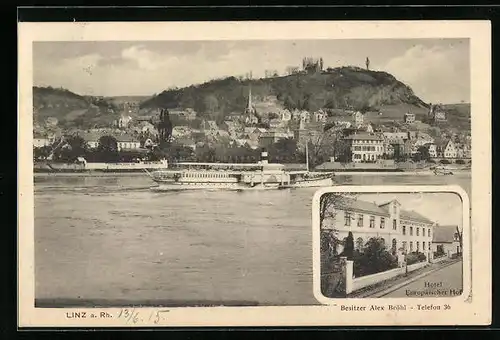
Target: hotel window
[423, 246]
[404, 230]
[382, 223]
[429, 246]
[418, 231]
[411, 231]
[418, 246]
[394, 224]
[347, 218]
[360, 220]
[372, 221]
[411, 246]
[404, 245]
[429, 232]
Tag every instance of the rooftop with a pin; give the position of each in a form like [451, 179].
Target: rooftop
[444, 233]
[413, 216]
[361, 206]
[364, 136]
[381, 210]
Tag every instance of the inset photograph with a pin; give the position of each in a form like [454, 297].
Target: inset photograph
[391, 244]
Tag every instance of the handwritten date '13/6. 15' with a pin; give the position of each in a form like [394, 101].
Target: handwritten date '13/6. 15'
[136, 316]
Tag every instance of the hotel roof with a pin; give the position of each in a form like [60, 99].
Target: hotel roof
[361, 206]
[381, 210]
[413, 216]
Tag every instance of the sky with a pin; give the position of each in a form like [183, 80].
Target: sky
[443, 208]
[436, 69]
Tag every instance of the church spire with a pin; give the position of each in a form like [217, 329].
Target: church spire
[249, 105]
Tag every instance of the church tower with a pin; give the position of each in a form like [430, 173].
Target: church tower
[250, 109]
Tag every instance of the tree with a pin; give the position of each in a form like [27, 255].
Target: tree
[349, 246]
[284, 148]
[460, 240]
[75, 147]
[330, 203]
[374, 258]
[42, 152]
[108, 143]
[322, 146]
[107, 149]
[211, 103]
[423, 151]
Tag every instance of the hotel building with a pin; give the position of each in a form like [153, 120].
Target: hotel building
[365, 147]
[400, 230]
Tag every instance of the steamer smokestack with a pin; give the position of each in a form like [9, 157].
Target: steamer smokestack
[264, 157]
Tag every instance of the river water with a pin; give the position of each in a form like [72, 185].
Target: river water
[111, 241]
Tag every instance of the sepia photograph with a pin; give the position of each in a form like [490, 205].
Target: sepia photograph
[180, 172]
[383, 245]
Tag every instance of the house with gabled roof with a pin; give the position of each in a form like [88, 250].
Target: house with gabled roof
[446, 148]
[446, 240]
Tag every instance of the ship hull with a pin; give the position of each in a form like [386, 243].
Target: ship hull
[176, 186]
[325, 182]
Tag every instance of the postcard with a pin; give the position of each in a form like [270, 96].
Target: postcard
[254, 173]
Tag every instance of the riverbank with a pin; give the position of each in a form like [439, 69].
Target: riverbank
[87, 173]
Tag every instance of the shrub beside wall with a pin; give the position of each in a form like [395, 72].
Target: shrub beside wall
[415, 257]
[373, 258]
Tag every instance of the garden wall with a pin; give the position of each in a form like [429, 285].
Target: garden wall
[353, 284]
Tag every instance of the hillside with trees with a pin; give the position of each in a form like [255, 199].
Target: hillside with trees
[71, 109]
[309, 89]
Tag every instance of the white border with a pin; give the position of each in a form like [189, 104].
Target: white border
[477, 312]
[467, 256]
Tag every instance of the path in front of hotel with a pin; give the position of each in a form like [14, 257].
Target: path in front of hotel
[445, 282]
[396, 286]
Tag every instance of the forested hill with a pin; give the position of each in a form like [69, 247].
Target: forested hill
[344, 87]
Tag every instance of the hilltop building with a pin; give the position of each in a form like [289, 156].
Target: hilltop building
[409, 117]
[357, 118]
[402, 231]
[436, 113]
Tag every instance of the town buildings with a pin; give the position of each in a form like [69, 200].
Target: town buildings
[357, 118]
[447, 149]
[40, 141]
[365, 147]
[402, 231]
[127, 142]
[409, 117]
[124, 121]
[446, 240]
[431, 147]
[270, 137]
